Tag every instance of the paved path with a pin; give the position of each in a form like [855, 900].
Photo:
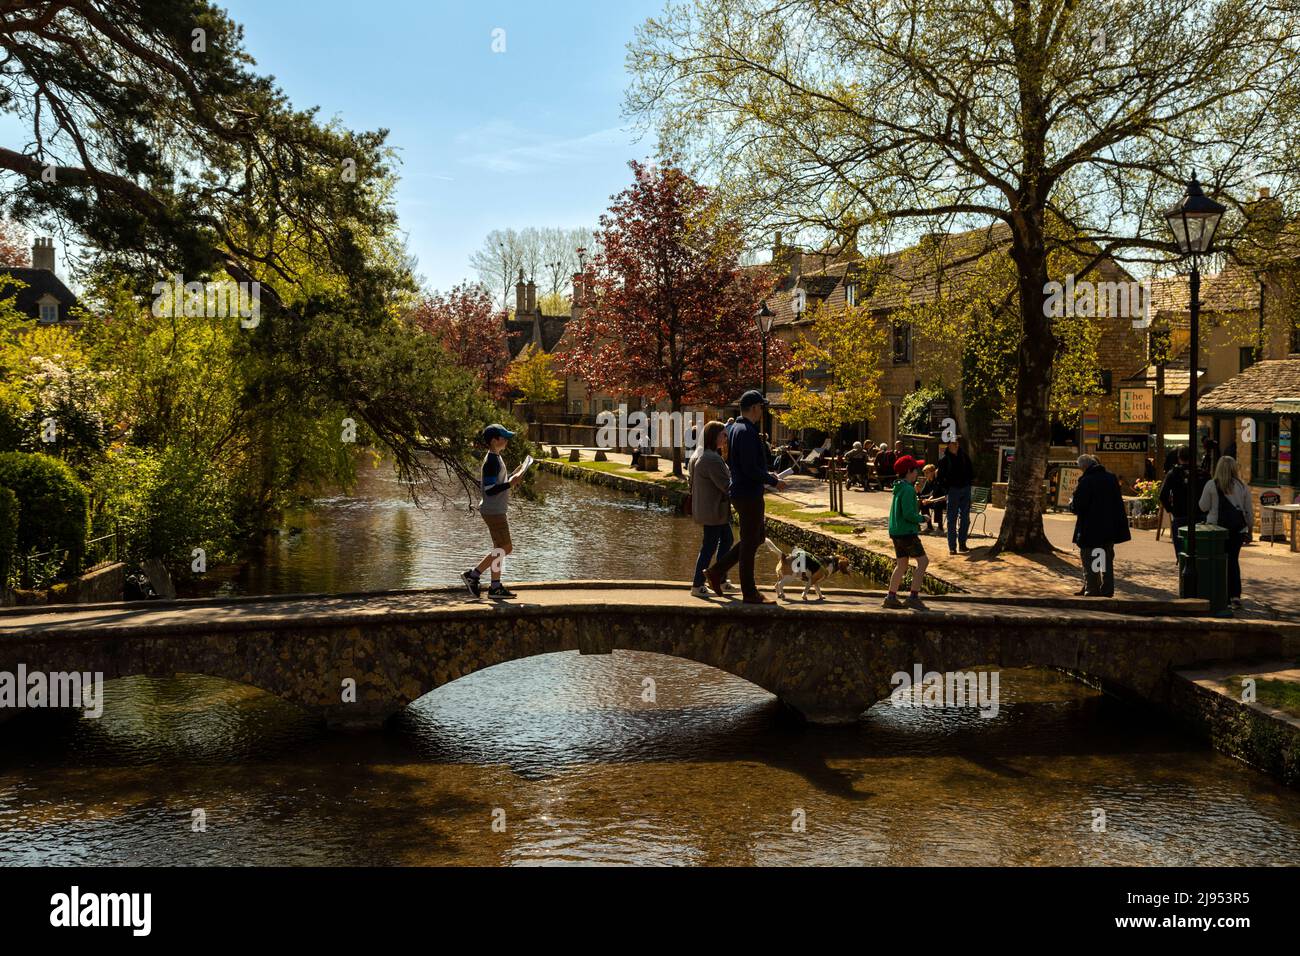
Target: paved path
[396, 606]
[1146, 567]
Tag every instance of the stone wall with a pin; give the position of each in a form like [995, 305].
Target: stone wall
[870, 563]
[1265, 741]
[828, 662]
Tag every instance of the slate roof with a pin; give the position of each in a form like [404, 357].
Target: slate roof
[1235, 289]
[906, 277]
[40, 282]
[1257, 388]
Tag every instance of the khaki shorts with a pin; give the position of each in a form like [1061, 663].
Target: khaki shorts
[499, 528]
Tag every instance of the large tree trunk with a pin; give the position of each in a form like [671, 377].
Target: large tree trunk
[1022, 523]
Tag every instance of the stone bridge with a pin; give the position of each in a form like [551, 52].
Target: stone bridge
[830, 661]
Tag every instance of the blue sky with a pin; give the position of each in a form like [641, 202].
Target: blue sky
[533, 136]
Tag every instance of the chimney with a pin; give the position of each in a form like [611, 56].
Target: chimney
[531, 296]
[520, 295]
[43, 254]
[776, 248]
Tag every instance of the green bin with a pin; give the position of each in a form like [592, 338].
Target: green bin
[1211, 566]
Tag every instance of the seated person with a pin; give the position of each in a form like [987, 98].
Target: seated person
[932, 499]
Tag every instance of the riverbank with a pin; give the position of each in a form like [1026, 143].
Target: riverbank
[796, 526]
[1145, 565]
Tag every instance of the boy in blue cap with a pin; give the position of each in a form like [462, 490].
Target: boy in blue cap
[495, 485]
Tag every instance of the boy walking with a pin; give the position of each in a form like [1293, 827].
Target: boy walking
[905, 531]
[495, 484]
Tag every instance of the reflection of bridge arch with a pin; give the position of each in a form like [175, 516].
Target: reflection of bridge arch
[830, 661]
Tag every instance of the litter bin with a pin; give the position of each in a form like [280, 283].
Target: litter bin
[1211, 566]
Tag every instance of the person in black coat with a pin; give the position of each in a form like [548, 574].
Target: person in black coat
[1175, 495]
[1100, 523]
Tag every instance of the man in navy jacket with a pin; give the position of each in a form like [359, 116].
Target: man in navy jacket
[750, 477]
[1100, 523]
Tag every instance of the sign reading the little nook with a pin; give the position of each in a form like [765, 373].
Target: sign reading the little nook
[1137, 405]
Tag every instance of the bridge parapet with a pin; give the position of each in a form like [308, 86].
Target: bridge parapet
[357, 659]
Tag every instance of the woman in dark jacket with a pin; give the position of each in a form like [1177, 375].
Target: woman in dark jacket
[710, 506]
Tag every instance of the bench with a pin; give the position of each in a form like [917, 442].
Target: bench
[647, 463]
[979, 506]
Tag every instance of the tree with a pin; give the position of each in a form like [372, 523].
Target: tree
[548, 256]
[671, 313]
[146, 132]
[531, 374]
[850, 115]
[13, 248]
[464, 323]
[834, 376]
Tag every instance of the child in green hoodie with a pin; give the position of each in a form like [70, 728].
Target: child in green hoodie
[905, 531]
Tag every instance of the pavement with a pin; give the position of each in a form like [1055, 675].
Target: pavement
[1144, 566]
[389, 607]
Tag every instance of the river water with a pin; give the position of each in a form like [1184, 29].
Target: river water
[557, 760]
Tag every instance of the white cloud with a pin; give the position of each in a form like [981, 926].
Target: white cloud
[502, 147]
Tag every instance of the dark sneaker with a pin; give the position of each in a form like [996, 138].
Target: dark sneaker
[471, 581]
[757, 599]
[498, 590]
[952, 552]
[915, 603]
[892, 602]
[963, 550]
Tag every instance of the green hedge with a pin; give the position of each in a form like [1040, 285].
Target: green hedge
[8, 533]
[53, 506]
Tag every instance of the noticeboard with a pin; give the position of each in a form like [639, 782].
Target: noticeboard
[1067, 479]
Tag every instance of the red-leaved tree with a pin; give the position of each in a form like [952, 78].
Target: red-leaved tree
[669, 311]
[13, 244]
[466, 323]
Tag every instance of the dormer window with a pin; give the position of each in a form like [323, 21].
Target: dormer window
[49, 314]
[799, 301]
[851, 294]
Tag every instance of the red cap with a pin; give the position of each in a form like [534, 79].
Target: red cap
[906, 464]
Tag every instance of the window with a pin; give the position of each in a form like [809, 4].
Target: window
[1264, 452]
[1245, 357]
[49, 313]
[576, 406]
[902, 343]
[799, 301]
[1106, 380]
[607, 405]
[851, 294]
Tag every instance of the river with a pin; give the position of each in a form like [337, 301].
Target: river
[557, 760]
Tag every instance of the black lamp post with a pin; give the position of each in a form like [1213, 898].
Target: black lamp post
[763, 320]
[1193, 222]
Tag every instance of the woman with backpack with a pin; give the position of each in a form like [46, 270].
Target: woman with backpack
[1227, 503]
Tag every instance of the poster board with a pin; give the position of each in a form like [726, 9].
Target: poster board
[1006, 456]
[1067, 480]
[1271, 525]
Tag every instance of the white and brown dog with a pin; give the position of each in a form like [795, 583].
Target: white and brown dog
[799, 565]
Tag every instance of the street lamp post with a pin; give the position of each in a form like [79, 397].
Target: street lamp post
[763, 320]
[1193, 222]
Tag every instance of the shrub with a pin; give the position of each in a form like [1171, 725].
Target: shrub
[8, 533]
[165, 504]
[53, 506]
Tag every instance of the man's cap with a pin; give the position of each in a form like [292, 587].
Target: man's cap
[905, 464]
[497, 431]
[751, 398]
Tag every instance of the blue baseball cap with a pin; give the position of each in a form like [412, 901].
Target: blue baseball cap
[497, 431]
[751, 398]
